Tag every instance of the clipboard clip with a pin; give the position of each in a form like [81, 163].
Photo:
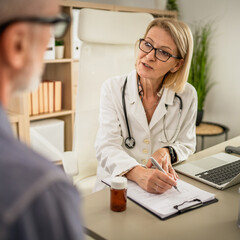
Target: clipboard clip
[198, 203]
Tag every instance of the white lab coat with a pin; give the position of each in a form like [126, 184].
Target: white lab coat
[113, 156]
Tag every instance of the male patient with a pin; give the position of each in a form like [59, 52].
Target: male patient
[36, 200]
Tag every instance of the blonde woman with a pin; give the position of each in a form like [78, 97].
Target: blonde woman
[150, 112]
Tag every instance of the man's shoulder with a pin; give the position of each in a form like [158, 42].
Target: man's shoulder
[24, 175]
[18, 156]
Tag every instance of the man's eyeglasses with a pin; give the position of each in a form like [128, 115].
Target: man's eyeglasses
[159, 53]
[60, 23]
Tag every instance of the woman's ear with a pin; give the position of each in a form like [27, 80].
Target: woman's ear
[15, 45]
[177, 66]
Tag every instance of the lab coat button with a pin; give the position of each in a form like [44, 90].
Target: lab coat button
[145, 150]
[144, 161]
[146, 141]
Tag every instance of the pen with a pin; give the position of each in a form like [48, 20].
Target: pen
[156, 164]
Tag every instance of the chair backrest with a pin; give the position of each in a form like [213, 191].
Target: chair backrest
[107, 49]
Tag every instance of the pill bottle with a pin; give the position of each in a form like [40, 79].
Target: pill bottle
[238, 222]
[118, 201]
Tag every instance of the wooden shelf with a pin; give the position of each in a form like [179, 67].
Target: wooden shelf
[64, 60]
[14, 117]
[111, 7]
[50, 115]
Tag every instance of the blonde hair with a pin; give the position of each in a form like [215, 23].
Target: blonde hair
[182, 36]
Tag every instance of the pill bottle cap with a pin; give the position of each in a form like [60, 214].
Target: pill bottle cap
[119, 182]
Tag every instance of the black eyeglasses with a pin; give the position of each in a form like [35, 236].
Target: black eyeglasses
[159, 53]
[60, 23]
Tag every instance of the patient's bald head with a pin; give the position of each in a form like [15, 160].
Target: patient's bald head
[10, 9]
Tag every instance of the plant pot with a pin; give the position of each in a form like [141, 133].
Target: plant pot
[199, 117]
[59, 52]
[161, 4]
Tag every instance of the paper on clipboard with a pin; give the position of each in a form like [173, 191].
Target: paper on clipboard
[171, 202]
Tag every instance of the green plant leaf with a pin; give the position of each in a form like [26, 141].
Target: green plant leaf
[201, 63]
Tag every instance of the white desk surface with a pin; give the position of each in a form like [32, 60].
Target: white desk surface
[217, 221]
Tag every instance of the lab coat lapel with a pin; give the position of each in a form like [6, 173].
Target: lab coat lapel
[135, 104]
[161, 110]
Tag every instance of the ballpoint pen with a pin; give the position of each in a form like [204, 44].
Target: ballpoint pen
[156, 164]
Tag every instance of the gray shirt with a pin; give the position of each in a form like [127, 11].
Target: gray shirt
[36, 199]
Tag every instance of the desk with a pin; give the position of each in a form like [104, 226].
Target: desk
[209, 129]
[215, 221]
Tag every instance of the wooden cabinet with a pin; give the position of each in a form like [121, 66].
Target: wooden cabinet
[65, 70]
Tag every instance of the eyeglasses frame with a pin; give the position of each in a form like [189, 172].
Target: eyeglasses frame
[155, 49]
[42, 20]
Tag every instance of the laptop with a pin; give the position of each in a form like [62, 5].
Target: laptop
[220, 170]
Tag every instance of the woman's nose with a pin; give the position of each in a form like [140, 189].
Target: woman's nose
[151, 55]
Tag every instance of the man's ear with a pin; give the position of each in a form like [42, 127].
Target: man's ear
[177, 66]
[15, 45]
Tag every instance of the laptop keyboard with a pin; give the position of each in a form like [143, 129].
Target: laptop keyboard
[222, 174]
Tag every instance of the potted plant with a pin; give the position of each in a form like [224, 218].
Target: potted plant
[199, 72]
[59, 49]
[172, 5]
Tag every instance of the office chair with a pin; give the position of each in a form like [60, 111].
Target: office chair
[107, 49]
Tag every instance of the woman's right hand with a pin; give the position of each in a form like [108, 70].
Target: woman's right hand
[151, 180]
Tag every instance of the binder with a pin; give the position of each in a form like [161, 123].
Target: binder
[50, 51]
[76, 42]
[171, 203]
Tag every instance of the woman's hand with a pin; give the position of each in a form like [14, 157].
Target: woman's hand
[162, 156]
[151, 180]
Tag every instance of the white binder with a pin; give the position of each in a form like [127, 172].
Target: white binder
[76, 45]
[50, 51]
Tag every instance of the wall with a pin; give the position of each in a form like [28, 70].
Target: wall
[223, 101]
[130, 3]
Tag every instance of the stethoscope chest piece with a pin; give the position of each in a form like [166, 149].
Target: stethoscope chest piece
[130, 142]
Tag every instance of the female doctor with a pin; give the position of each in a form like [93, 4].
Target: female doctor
[150, 112]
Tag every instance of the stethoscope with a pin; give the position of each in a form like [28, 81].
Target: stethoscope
[130, 141]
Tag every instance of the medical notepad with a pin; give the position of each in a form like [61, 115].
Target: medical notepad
[171, 202]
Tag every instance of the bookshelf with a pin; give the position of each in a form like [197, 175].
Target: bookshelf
[65, 70]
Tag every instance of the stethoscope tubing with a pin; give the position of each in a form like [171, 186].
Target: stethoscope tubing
[130, 141]
[179, 116]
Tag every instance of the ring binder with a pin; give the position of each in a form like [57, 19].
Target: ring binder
[198, 204]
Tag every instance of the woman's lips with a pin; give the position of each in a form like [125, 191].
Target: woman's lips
[146, 65]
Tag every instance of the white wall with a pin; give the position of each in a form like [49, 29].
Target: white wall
[223, 102]
[131, 3]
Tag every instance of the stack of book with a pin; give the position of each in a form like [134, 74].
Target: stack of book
[47, 98]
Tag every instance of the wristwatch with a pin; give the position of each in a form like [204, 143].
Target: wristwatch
[172, 153]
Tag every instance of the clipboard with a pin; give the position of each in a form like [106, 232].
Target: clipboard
[185, 203]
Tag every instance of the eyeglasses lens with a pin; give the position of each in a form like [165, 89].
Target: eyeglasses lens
[60, 29]
[147, 48]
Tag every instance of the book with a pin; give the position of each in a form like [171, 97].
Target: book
[40, 98]
[50, 96]
[30, 104]
[35, 107]
[57, 96]
[45, 96]
[171, 202]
